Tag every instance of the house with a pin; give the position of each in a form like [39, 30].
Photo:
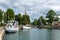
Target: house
[56, 23]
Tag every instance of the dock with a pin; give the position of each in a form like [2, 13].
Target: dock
[2, 31]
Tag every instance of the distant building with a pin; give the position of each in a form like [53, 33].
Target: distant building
[56, 23]
[57, 15]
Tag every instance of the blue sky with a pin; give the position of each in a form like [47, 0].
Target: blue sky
[35, 8]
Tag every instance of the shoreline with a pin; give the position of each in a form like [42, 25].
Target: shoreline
[51, 27]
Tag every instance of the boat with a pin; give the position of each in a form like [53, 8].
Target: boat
[26, 27]
[12, 27]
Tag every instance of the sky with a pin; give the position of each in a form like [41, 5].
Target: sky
[34, 8]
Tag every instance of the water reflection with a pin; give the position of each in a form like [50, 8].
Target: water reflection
[37, 34]
[55, 34]
[34, 34]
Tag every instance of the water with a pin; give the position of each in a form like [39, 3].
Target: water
[34, 34]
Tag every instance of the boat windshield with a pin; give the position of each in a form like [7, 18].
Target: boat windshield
[9, 25]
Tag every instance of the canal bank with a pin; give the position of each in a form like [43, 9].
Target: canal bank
[2, 31]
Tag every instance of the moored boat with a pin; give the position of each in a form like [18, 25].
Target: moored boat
[12, 27]
[26, 27]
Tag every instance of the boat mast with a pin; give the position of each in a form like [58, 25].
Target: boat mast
[25, 14]
[25, 8]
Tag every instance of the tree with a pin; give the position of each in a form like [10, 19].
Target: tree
[9, 15]
[1, 15]
[25, 19]
[50, 16]
[20, 18]
[56, 18]
[34, 22]
[28, 19]
[42, 19]
[17, 19]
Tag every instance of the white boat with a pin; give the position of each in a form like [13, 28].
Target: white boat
[12, 27]
[26, 27]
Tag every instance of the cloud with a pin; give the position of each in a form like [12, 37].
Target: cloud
[55, 7]
[35, 8]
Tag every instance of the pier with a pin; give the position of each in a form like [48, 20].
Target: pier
[2, 31]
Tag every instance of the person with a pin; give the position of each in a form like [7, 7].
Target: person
[13, 23]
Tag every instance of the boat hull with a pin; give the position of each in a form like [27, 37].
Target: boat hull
[26, 27]
[11, 29]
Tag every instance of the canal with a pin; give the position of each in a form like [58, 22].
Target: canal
[34, 34]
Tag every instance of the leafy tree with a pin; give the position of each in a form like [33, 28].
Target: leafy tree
[28, 19]
[35, 22]
[42, 20]
[9, 15]
[50, 16]
[56, 18]
[1, 15]
[25, 19]
[20, 18]
[17, 19]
